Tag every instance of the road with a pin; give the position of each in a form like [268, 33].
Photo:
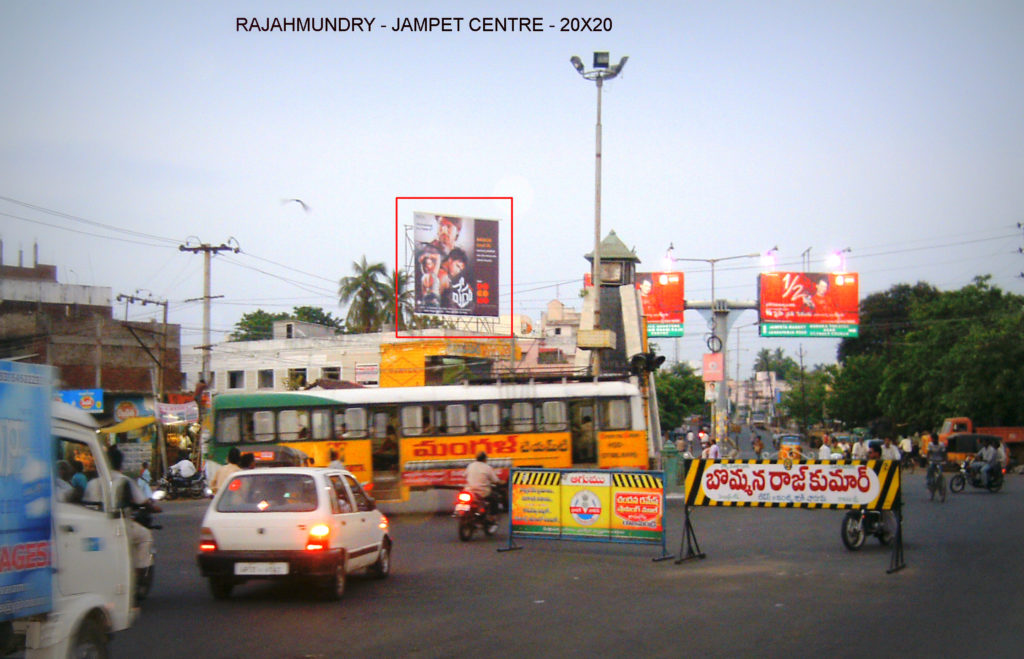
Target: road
[775, 583]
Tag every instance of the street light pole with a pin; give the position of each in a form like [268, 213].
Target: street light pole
[601, 72]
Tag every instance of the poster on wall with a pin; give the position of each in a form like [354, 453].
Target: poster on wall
[456, 265]
[808, 304]
[663, 302]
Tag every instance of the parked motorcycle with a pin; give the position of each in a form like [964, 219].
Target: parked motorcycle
[967, 475]
[143, 514]
[473, 513]
[177, 487]
[859, 524]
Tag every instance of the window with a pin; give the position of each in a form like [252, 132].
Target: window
[340, 427]
[489, 415]
[554, 416]
[331, 372]
[293, 424]
[70, 486]
[266, 378]
[228, 428]
[258, 426]
[363, 502]
[521, 418]
[614, 414]
[296, 377]
[341, 503]
[236, 379]
[355, 422]
[412, 420]
[455, 415]
[321, 424]
[269, 492]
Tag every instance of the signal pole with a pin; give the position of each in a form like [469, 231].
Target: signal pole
[207, 251]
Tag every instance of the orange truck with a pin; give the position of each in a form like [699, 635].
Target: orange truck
[1013, 438]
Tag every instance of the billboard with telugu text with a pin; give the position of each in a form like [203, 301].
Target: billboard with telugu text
[803, 304]
[663, 302]
[456, 265]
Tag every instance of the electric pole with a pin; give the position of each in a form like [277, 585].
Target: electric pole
[208, 250]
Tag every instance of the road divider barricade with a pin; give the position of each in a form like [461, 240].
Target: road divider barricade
[587, 505]
[813, 484]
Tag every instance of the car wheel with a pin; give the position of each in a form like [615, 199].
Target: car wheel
[382, 567]
[957, 483]
[90, 641]
[221, 588]
[335, 587]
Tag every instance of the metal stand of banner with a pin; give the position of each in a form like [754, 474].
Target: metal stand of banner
[689, 541]
[512, 546]
[896, 562]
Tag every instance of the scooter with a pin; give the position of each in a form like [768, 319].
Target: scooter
[859, 524]
[967, 475]
[473, 512]
[176, 487]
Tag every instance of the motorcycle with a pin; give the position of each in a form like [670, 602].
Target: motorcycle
[473, 512]
[143, 515]
[935, 481]
[177, 487]
[967, 475]
[859, 524]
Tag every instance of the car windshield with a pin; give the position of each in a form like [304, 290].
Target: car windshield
[269, 493]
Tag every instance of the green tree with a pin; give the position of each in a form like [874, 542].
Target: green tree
[855, 385]
[365, 292]
[256, 326]
[680, 394]
[317, 315]
[784, 367]
[806, 403]
[398, 293]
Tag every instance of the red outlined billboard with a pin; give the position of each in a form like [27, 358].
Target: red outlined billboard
[809, 304]
[485, 250]
[456, 265]
[662, 296]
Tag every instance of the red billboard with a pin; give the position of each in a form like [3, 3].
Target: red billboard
[662, 297]
[809, 304]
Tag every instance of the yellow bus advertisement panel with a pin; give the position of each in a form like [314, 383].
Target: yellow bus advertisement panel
[622, 449]
[440, 461]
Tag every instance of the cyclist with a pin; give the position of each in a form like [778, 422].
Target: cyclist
[936, 458]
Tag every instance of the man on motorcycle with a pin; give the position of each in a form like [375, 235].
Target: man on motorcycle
[480, 479]
[983, 461]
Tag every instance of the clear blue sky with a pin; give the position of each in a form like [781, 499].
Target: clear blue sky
[891, 128]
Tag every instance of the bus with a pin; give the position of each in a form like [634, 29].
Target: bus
[404, 438]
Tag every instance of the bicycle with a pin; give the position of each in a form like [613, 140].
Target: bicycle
[936, 481]
[907, 463]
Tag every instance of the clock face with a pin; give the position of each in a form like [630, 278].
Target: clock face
[611, 273]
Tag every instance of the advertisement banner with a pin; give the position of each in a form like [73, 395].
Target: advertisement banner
[714, 364]
[26, 459]
[171, 413]
[663, 302]
[90, 400]
[622, 449]
[872, 484]
[600, 505]
[456, 267]
[806, 304]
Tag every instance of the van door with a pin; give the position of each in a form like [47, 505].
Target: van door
[92, 549]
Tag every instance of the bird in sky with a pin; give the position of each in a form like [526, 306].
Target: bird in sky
[305, 206]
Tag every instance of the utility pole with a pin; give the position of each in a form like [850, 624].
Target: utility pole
[208, 250]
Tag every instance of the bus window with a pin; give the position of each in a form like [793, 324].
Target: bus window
[553, 415]
[614, 414]
[381, 423]
[489, 415]
[258, 426]
[293, 424]
[412, 420]
[522, 417]
[228, 429]
[321, 420]
[339, 424]
[355, 422]
[456, 418]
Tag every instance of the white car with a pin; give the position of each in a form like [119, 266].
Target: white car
[306, 523]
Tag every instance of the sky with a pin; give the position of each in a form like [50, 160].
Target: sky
[894, 129]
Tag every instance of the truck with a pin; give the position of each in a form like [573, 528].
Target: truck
[1013, 437]
[66, 579]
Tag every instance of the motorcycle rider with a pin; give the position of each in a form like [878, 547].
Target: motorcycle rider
[983, 460]
[480, 479]
[876, 451]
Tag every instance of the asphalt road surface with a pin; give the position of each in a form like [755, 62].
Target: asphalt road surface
[774, 583]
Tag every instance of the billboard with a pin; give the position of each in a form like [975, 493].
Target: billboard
[456, 265]
[661, 295]
[803, 304]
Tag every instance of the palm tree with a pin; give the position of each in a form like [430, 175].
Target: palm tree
[398, 292]
[364, 292]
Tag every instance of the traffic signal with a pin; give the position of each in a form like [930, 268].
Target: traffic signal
[645, 362]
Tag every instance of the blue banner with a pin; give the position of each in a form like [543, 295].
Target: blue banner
[26, 489]
[90, 400]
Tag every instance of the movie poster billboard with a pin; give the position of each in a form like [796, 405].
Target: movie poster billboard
[804, 304]
[456, 265]
[661, 295]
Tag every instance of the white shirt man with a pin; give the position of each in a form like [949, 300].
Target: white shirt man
[859, 451]
[889, 450]
[480, 476]
[825, 451]
[140, 537]
[184, 468]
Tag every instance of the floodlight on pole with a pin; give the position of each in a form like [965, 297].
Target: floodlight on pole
[836, 261]
[598, 74]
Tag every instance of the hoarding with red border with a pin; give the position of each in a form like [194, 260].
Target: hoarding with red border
[809, 304]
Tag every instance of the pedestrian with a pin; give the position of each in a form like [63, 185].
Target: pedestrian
[335, 462]
[224, 473]
[758, 447]
[247, 461]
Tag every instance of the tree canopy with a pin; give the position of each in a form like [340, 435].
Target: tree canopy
[259, 325]
[680, 394]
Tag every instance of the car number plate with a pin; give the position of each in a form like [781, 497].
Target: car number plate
[462, 507]
[261, 568]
